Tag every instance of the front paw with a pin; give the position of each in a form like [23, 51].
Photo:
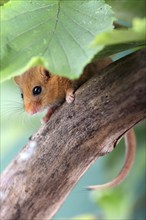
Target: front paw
[70, 98]
[46, 118]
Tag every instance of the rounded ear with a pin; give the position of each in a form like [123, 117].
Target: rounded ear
[46, 74]
[17, 80]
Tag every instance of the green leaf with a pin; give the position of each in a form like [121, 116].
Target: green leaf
[111, 198]
[135, 34]
[3, 2]
[85, 217]
[126, 10]
[117, 48]
[53, 33]
[119, 40]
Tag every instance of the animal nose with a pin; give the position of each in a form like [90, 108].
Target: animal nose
[30, 112]
[31, 109]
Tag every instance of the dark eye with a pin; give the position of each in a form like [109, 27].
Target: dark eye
[22, 95]
[37, 90]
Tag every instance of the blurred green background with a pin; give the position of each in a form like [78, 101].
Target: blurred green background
[124, 202]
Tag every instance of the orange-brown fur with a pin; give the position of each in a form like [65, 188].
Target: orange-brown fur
[54, 88]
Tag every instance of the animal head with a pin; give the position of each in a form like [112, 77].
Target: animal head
[36, 89]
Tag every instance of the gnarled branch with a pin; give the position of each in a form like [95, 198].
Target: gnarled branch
[37, 182]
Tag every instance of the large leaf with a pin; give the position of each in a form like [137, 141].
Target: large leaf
[53, 33]
[110, 50]
[128, 9]
[135, 34]
[119, 40]
[3, 2]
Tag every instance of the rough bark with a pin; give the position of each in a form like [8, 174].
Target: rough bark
[41, 176]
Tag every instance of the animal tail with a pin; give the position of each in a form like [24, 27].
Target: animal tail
[130, 145]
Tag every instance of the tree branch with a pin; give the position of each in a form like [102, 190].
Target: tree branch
[39, 179]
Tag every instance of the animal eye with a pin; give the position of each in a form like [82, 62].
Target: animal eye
[36, 90]
[22, 95]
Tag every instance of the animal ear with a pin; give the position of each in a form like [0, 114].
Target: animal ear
[17, 80]
[46, 74]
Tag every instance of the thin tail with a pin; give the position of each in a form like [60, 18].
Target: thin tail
[130, 144]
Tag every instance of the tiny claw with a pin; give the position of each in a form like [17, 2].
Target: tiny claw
[46, 118]
[70, 98]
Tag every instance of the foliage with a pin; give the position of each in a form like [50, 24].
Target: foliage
[22, 48]
[2, 2]
[126, 10]
[135, 34]
[123, 205]
[120, 40]
[85, 217]
[55, 34]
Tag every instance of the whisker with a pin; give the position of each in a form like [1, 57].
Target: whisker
[5, 102]
[12, 110]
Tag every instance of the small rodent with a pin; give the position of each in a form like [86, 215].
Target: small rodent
[42, 90]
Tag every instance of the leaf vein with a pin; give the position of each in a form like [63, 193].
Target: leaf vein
[74, 39]
[81, 12]
[62, 45]
[36, 26]
[26, 12]
[78, 24]
[55, 27]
